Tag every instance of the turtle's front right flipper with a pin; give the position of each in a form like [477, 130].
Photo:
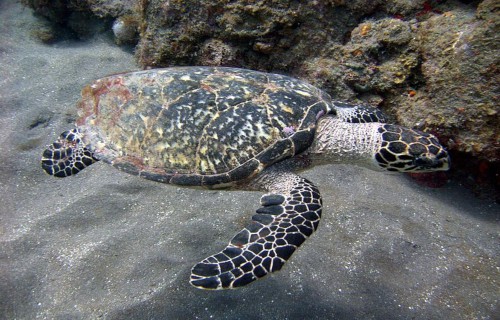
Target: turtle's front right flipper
[68, 155]
[358, 113]
[288, 216]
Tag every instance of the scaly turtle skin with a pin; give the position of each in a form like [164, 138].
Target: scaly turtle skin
[227, 127]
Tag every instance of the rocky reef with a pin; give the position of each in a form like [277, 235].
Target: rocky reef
[83, 19]
[431, 65]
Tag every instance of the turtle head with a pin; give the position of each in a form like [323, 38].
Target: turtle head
[407, 150]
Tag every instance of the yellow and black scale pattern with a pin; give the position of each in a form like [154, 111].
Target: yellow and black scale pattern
[199, 126]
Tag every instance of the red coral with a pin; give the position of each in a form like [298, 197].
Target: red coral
[427, 8]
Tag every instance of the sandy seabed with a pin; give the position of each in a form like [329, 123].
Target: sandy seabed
[104, 244]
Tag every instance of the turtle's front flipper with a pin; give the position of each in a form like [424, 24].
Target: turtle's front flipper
[67, 156]
[290, 213]
[358, 113]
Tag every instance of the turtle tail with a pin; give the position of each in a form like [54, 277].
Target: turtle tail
[67, 156]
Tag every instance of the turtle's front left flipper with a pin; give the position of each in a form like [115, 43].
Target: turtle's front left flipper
[290, 213]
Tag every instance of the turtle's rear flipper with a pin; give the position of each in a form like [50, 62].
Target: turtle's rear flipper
[67, 156]
[289, 215]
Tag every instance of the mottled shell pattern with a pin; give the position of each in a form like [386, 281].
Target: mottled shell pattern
[199, 126]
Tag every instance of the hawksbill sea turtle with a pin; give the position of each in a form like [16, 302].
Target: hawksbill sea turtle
[219, 127]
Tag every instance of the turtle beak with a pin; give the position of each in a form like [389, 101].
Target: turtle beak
[430, 162]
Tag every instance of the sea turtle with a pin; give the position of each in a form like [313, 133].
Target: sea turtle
[220, 127]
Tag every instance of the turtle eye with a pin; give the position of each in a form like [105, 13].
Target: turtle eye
[431, 162]
[425, 160]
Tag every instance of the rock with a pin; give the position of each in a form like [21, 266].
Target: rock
[58, 10]
[215, 52]
[459, 76]
[84, 18]
[126, 29]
